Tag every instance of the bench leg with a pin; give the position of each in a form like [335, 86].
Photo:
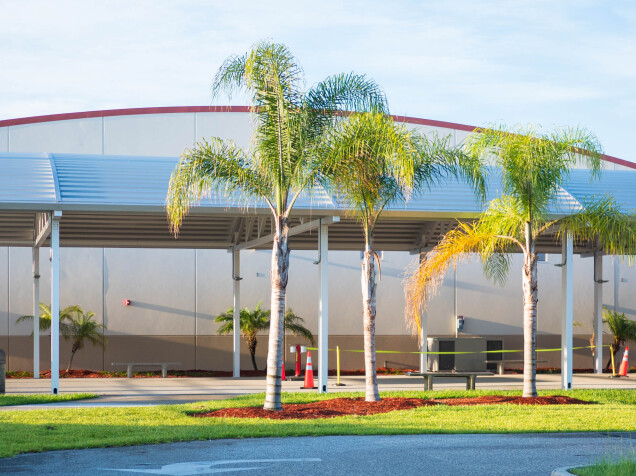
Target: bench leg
[129, 371]
[164, 371]
[470, 382]
[500, 369]
[428, 382]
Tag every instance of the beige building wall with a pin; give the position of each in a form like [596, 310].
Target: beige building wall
[175, 294]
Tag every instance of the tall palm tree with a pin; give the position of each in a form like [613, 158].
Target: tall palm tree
[533, 167]
[253, 322]
[622, 330]
[375, 163]
[281, 163]
[75, 324]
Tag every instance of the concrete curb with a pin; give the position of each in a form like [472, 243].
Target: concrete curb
[565, 470]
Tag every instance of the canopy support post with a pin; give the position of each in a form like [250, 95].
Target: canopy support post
[423, 332]
[598, 312]
[567, 311]
[36, 312]
[323, 311]
[55, 302]
[236, 337]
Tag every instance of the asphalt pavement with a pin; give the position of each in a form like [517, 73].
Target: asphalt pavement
[456, 455]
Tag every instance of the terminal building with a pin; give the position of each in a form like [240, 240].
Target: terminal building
[102, 178]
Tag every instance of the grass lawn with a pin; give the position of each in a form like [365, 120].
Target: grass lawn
[625, 466]
[43, 398]
[54, 429]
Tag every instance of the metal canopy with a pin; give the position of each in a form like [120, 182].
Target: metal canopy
[119, 201]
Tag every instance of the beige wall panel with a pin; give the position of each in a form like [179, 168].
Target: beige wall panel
[155, 348]
[80, 283]
[160, 286]
[549, 293]
[4, 292]
[390, 300]
[214, 288]
[90, 357]
[151, 134]
[460, 136]
[21, 278]
[430, 131]
[75, 136]
[226, 125]
[626, 289]
[4, 345]
[215, 353]
[486, 307]
[441, 308]
[4, 139]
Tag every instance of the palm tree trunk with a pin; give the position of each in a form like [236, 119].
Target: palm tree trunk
[251, 345]
[279, 275]
[529, 315]
[70, 362]
[368, 308]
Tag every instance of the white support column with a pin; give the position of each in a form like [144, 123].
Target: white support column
[36, 312]
[236, 269]
[424, 341]
[55, 302]
[323, 311]
[598, 312]
[567, 312]
[423, 331]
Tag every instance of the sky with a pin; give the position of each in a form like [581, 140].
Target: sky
[548, 63]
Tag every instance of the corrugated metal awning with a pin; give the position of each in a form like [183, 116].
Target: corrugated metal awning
[117, 201]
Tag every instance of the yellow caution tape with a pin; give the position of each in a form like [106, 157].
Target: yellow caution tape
[458, 353]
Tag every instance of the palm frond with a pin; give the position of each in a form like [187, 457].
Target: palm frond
[213, 165]
[602, 220]
[424, 281]
[294, 325]
[534, 164]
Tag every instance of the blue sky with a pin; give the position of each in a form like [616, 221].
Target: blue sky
[551, 63]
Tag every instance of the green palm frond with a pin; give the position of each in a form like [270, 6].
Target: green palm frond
[251, 322]
[622, 329]
[45, 318]
[289, 121]
[534, 164]
[604, 221]
[294, 325]
[455, 247]
[213, 165]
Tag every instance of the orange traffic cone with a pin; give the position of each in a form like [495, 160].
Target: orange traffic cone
[309, 374]
[282, 375]
[623, 370]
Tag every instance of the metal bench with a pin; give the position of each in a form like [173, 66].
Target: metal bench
[470, 377]
[130, 365]
[500, 364]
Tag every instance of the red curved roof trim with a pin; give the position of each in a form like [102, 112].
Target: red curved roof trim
[186, 109]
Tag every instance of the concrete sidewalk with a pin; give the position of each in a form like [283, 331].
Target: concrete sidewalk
[158, 391]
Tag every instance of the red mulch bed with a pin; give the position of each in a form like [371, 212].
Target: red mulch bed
[357, 406]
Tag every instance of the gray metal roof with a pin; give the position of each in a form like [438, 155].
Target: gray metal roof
[120, 201]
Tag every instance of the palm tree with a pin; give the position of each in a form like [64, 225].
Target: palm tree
[533, 166]
[375, 163]
[253, 322]
[289, 123]
[75, 324]
[80, 328]
[622, 329]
